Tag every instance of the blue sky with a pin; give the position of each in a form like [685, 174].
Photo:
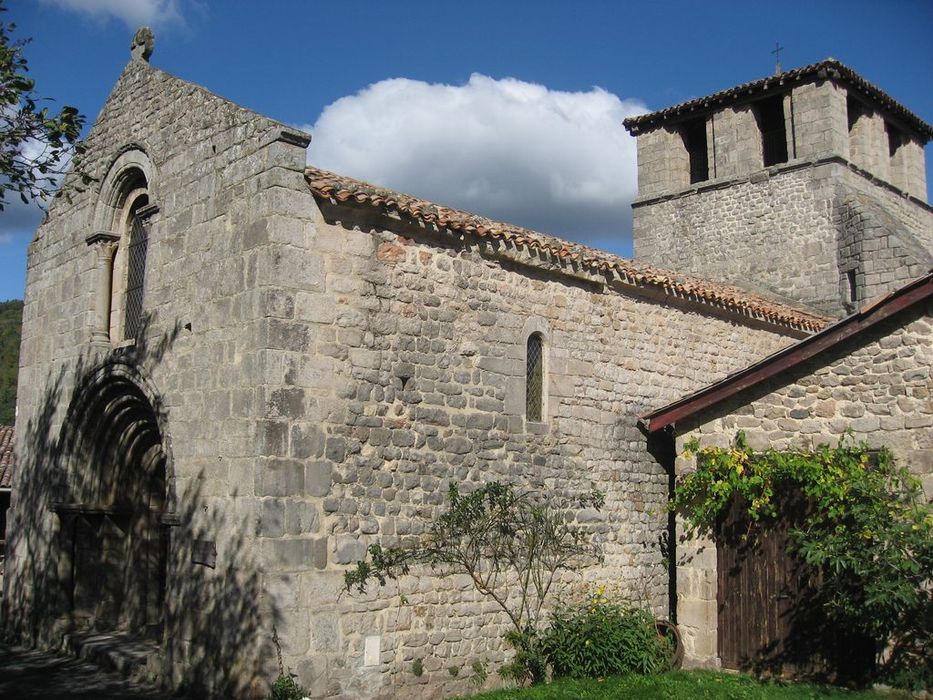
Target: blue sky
[510, 109]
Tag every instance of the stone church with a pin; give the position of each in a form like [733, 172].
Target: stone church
[239, 370]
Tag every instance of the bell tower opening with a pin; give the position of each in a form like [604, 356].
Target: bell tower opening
[769, 113]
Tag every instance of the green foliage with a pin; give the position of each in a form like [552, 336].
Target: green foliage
[11, 317]
[512, 545]
[598, 637]
[867, 534]
[479, 673]
[529, 665]
[417, 667]
[285, 688]
[35, 144]
[681, 685]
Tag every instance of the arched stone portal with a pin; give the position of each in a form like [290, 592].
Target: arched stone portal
[113, 512]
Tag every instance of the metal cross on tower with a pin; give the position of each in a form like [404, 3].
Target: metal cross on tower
[777, 57]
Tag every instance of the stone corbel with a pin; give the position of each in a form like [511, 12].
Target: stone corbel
[105, 243]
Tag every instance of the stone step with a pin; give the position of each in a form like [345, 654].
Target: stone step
[136, 659]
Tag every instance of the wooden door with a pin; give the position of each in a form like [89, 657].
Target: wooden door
[757, 589]
[769, 620]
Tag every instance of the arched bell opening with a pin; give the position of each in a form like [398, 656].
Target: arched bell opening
[114, 507]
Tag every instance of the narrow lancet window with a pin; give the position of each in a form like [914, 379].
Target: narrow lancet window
[136, 268]
[534, 378]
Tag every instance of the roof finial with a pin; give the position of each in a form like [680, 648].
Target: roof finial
[777, 58]
[142, 44]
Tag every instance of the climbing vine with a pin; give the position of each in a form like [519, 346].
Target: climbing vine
[867, 534]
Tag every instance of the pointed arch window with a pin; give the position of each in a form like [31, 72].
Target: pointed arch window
[534, 378]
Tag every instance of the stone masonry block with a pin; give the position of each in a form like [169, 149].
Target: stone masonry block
[290, 554]
[281, 477]
[348, 549]
[318, 478]
[272, 518]
[306, 441]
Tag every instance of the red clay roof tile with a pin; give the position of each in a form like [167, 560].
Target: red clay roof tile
[343, 189]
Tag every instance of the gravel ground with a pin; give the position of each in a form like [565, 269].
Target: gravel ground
[28, 674]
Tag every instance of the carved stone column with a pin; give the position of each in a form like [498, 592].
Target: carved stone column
[105, 243]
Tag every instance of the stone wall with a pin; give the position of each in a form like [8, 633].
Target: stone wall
[876, 249]
[408, 376]
[786, 231]
[663, 164]
[736, 148]
[734, 230]
[876, 384]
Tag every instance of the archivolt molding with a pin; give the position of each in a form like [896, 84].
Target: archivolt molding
[117, 380]
[536, 324]
[117, 186]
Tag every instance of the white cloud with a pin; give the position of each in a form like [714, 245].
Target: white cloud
[134, 13]
[18, 219]
[558, 162]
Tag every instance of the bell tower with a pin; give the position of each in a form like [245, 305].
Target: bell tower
[808, 185]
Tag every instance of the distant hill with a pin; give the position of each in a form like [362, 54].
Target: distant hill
[11, 321]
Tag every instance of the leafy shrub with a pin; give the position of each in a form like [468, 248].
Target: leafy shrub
[285, 688]
[597, 638]
[867, 537]
[529, 665]
[505, 540]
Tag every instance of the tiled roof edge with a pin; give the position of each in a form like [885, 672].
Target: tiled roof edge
[718, 296]
[829, 68]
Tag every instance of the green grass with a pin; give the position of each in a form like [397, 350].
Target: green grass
[680, 685]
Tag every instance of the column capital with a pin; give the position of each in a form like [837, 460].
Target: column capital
[101, 237]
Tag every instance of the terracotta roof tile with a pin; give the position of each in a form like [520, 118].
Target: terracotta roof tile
[6, 456]
[830, 68]
[345, 189]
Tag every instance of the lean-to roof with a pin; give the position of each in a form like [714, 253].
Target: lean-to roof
[918, 291]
